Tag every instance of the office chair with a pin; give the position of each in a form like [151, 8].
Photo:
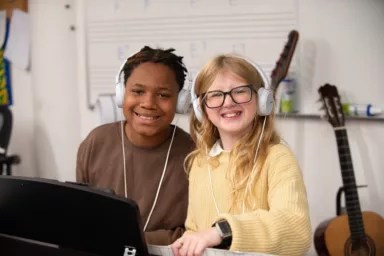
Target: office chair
[5, 136]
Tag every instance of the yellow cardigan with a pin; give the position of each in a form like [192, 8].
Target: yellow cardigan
[279, 224]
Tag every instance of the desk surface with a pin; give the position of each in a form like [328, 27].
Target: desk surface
[166, 251]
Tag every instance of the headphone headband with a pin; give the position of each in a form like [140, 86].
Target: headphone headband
[119, 78]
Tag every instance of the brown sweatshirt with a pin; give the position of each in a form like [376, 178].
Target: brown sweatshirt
[100, 164]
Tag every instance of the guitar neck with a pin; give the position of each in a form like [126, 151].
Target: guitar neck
[355, 219]
[282, 65]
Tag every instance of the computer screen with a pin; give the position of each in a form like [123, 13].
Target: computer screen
[70, 216]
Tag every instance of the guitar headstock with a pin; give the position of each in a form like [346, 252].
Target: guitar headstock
[332, 105]
[282, 65]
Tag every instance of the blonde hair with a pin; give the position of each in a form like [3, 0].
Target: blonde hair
[242, 170]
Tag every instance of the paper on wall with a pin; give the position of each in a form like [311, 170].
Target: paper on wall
[17, 49]
[3, 24]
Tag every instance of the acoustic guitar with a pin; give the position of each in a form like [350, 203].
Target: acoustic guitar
[356, 232]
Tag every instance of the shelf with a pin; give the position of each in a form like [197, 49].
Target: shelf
[317, 116]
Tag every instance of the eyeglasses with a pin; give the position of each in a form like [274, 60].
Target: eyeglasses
[239, 95]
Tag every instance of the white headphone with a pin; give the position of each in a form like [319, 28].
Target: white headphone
[265, 94]
[183, 99]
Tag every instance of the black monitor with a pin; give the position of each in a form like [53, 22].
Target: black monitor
[59, 218]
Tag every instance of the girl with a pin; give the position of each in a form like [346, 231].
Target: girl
[246, 191]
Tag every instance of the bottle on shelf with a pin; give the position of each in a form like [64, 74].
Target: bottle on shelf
[287, 95]
[361, 110]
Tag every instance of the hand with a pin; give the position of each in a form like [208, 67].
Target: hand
[194, 244]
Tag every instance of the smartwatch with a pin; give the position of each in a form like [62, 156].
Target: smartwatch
[225, 232]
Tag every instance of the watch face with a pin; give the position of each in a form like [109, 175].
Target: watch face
[225, 228]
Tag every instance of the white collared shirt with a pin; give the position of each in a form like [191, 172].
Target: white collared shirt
[217, 149]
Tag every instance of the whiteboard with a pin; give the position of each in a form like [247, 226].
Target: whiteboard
[196, 29]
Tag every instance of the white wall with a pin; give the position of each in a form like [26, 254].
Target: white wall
[340, 42]
[46, 110]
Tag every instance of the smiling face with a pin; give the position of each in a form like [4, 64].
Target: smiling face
[232, 120]
[150, 103]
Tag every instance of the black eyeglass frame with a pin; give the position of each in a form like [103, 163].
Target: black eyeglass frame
[230, 94]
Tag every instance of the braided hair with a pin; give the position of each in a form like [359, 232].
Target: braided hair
[158, 55]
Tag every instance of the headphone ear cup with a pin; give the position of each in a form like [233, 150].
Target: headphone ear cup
[196, 100]
[265, 98]
[120, 90]
[197, 109]
[183, 102]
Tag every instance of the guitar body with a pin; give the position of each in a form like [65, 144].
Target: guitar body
[332, 237]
